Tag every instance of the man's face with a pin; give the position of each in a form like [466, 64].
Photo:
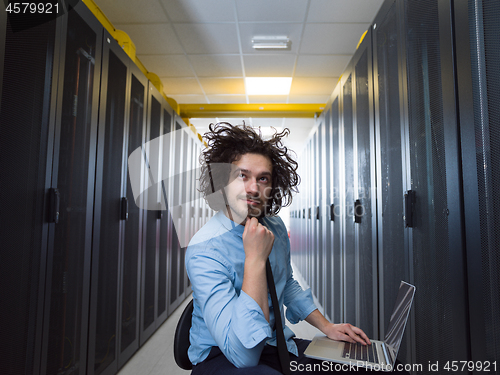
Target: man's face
[249, 188]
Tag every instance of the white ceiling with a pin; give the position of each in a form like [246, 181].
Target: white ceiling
[201, 49]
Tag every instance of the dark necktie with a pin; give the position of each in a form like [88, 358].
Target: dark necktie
[280, 336]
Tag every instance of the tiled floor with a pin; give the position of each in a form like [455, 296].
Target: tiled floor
[156, 356]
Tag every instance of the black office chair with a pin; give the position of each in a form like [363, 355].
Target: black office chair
[181, 338]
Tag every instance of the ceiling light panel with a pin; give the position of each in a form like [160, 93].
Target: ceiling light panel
[249, 31]
[271, 43]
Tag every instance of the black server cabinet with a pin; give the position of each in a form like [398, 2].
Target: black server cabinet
[166, 224]
[28, 71]
[347, 199]
[111, 218]
[419, 201]
[151, 216]
[317, 234]
[393, 259]
[305, 234]
[310, 235]
[337, 271]
[64, 348]
[364, 205]
[434, 213]
[478, 78]
[108, 218]
[359, 214]
[3, 32]
[130, 278]
[322, 212]
[190, 197]
[179, 213]
[303, 200]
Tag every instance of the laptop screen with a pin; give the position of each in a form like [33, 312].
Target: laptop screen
[399, 317]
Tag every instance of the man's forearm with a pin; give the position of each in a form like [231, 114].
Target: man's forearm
[317, 320]
[255, 284]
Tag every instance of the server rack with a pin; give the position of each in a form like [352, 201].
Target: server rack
[393, 256]
[181, 214]
[130, 280]
[326, 228]
[435, 237]
[320, 213]
[477, 70]
[74, 107]
[364, 205]
[166, 225]
[337, 295]
[3, 31]
[398, 130]
[64, 348]
[316, 239]
[347, 198]
[27, 107]
[149, 272]
[110, 214]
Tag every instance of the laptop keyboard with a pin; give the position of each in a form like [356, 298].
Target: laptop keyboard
[360, 352]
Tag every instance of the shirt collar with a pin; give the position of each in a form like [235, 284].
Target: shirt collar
[230, 225]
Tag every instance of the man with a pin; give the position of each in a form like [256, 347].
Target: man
[247, 180]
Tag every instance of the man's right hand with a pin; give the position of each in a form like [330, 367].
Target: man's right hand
[257, 241]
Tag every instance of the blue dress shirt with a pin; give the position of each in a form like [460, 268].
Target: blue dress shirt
[224, 315]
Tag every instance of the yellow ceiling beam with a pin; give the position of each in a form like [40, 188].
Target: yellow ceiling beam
[250, 110]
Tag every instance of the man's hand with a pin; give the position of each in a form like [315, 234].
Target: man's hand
[346, 332]
[340, 332]
[257, 241]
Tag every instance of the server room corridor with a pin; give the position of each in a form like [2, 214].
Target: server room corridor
[394, 117]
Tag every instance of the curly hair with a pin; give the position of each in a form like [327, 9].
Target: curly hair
[227, 143]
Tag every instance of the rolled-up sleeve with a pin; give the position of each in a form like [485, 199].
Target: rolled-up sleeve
[299, 303]
[235, 321]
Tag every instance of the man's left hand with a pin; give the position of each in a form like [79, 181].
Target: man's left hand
[347, 332]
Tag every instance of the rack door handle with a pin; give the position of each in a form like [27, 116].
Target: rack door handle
[358, 211]
[54, 204]
[124, 209]
[410, 198]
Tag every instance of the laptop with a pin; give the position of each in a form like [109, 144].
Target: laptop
[380, 355]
